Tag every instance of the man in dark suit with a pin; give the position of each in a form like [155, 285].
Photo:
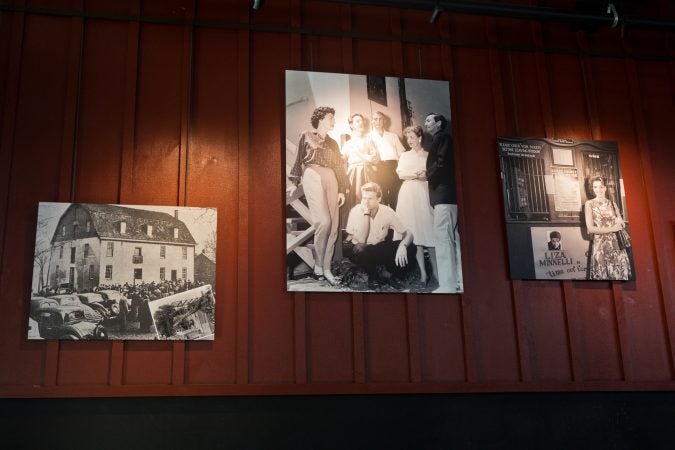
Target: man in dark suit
[443, 198]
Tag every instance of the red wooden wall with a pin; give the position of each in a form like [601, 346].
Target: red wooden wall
[182, 103]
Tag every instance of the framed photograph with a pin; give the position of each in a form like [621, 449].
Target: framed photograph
[123, 272]
[565, 210]
[371, 202]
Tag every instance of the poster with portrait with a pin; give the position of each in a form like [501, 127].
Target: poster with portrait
[565, 206]
[369, 171]
[123, 272]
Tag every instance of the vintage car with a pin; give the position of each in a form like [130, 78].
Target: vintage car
[111, 294]
[66, 299]
[38, 302]
[117, 302]
[64, 288]
[109, 307]
[69, 322]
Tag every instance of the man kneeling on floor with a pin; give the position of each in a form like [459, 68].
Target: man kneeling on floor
[368, 225]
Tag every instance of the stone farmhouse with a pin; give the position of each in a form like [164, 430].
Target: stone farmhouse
[109, 244]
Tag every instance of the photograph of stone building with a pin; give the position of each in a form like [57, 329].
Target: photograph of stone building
[107, 263]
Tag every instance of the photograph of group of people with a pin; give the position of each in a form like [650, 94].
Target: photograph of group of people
[371, 202]
[565, 210]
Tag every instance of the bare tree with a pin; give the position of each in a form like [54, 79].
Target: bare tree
[40, 260]
[207, 218]
[42, 253]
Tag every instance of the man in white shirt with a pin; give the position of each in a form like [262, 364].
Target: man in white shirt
[368, 225]
[390, 149]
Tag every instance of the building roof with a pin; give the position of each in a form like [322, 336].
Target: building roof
[106, 221]
[203, 259]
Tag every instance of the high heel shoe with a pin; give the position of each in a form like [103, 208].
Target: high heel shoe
[317, 274]
[332, 279]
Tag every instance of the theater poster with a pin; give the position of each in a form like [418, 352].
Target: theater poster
[358, 153]
[564, 204]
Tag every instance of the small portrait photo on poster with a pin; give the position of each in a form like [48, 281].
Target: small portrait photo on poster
[371, 201]
[554, 240]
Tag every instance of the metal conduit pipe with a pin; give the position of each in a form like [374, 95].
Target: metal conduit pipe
[522, 12]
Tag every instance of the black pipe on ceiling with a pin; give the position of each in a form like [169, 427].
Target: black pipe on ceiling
[584, 19]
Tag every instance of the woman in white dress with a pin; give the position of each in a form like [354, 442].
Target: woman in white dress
[413, 206]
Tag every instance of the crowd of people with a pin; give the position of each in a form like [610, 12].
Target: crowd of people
[139, 296]
[397, 205]
[153, 290]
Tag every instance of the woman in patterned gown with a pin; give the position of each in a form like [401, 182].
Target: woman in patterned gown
[362, 158]
[413, 205]
[608, 260]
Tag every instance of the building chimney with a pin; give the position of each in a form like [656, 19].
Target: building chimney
[175, 213]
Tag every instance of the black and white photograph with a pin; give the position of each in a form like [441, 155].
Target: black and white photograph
[187, 315]
[371, 201]
[105, 271]
[565, 210]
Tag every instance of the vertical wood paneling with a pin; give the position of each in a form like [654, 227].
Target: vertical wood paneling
[151, 123]
[639, 313]
[570, 117]
[386, 339]
[157, 148]
[13, 34]
[441, 329]
[101, 113]
[574, 335]
[599, 349]
[330, 339]
[43, 78]
[654, 82]
[499, 98]
[242, 204]
[212, 182]
[647, 368]
[272, 319]
[11, 41]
